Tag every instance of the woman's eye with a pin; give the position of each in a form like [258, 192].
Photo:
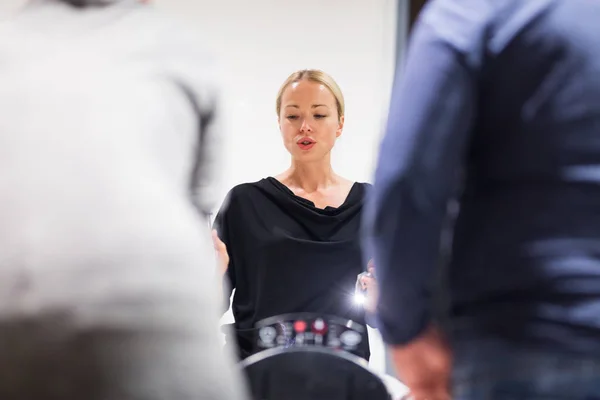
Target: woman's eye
[292, 117]
[319, 116]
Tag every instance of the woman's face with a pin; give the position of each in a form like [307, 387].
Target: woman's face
[309, 120]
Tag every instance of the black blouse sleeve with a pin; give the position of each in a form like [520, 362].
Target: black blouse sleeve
[223, 225]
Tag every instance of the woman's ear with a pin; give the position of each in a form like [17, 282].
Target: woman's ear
[338, 133]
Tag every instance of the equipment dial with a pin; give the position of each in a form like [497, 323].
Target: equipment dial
[350, 338]
[267, 334]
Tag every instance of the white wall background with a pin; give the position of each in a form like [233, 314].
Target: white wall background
[261, 42]
[7, 7]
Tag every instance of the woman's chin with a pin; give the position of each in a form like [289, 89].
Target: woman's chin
[308, 156]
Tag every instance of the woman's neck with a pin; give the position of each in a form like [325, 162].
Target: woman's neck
[309, 176]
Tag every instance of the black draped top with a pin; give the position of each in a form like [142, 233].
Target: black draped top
[288, 256]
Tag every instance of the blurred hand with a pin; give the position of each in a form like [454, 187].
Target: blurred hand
[425, 365]
[222, 256]
[369, 283]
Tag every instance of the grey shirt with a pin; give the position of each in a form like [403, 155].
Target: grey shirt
[109, 126]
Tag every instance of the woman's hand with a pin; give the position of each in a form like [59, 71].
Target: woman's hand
[369, 284]
[222, 256]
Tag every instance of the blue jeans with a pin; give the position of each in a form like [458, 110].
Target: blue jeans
[494, 371]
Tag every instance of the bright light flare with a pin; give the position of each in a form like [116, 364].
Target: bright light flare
[359, 299]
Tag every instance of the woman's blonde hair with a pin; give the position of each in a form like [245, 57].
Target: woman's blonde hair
[318, 76]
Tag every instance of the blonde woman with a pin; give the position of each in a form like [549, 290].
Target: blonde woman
[290, 242]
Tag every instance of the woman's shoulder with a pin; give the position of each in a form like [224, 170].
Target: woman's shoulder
[237, 196]
[363, 189]
[352, 181]
[357, 190]
[241, 188]
[248, 189]
[363, 186]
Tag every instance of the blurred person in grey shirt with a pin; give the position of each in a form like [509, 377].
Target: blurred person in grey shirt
[108, 126]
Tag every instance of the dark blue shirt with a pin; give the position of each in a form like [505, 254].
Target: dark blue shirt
[498, 108]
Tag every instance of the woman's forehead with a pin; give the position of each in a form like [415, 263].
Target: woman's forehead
[305, 90]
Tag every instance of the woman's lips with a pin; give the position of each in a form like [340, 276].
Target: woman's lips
[304, 146]
[306, 143]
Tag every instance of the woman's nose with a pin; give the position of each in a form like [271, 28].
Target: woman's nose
[305, 127]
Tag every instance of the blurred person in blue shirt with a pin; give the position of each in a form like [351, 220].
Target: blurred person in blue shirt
[497, 111]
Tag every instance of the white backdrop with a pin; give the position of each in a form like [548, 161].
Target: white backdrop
[261, 42]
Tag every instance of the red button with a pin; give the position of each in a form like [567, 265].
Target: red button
[299, 326]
